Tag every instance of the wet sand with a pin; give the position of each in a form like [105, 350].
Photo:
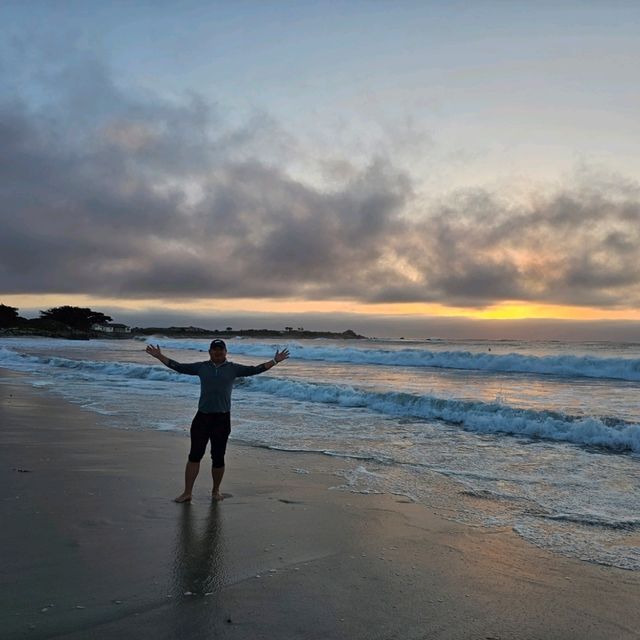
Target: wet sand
[93, 547]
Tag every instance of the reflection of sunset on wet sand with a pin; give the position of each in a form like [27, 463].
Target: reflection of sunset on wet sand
[291, 559]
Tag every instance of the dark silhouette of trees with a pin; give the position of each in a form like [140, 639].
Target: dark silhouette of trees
[76, 317]
[8, 316]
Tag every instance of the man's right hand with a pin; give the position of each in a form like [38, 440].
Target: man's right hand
[154, 351]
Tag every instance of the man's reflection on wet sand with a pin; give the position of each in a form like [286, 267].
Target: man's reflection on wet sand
[199, 563]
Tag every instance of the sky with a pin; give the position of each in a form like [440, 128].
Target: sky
[460, 169]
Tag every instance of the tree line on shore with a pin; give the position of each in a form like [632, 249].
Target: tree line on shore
[77, 322]
[78, 318]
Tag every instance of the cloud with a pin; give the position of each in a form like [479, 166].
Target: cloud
[577, 246]
[108, 190]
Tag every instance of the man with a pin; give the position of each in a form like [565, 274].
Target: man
[212, 421]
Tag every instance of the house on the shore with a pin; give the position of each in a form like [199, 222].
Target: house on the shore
[111, 327]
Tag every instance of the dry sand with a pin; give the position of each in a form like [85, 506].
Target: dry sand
[94, 547]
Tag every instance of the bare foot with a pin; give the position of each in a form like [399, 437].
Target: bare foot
[183, 497]
[217, 496]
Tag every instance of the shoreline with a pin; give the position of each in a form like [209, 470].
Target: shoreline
[90, 528]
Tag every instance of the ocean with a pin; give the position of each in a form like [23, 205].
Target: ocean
[539, 437]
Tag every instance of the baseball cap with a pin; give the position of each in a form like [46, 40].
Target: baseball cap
[217, 344]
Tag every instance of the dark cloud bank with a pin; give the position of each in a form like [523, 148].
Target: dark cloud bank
[114, 192]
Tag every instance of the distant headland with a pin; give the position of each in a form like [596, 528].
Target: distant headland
[76, 323]
[288, 332]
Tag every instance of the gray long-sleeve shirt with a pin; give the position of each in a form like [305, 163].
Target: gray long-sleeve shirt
[216, 382]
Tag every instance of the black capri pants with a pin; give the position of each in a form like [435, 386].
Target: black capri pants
[214, 427]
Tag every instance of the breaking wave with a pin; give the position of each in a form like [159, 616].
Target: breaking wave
[573, 366]
[482, 417]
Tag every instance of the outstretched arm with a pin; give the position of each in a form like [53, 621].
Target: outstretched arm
[156, 353]
[279, 357]
[244, 370]
[190, 369]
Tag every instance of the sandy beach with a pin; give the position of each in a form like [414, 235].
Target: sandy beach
[94, 547]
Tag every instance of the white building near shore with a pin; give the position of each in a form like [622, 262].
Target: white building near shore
[111, 327]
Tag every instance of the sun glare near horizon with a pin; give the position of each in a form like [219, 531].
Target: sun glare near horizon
[513, 310]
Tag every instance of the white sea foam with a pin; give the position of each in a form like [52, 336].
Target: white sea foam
[480, 417]
[597, 520]
[578, 366]
[24, 362]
